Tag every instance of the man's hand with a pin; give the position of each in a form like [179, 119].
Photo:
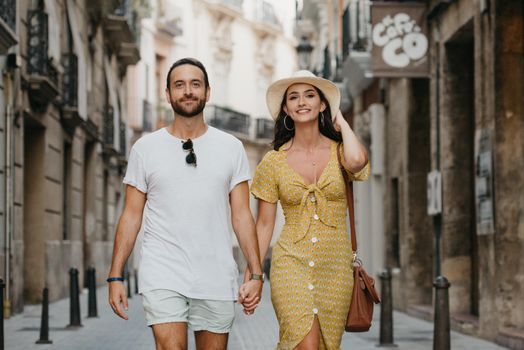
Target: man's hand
[118, 299]
[250, 294]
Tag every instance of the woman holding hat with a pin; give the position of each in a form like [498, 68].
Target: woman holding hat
[311, 273]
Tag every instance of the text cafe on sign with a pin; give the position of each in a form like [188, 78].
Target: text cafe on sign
[400, 40]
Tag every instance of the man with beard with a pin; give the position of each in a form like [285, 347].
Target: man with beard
[189, 175]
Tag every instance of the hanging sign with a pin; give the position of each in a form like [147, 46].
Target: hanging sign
[400, 40]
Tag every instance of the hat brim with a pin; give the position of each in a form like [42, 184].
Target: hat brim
[275, 93]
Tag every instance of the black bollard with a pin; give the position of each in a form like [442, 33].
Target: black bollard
[441, 338]
[136, 281]
[2, 286]
[44, 325]
[386, 310]
[267, 267]
[74, 299]
[91, 299]
[127, 276]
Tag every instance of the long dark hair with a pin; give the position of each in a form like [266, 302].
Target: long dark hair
[283, 135]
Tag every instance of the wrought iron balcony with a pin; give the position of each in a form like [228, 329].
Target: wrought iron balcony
[123, 32]
[70, 82]
[7, 25]
[90, 128]
[147, 116]
[229, 120]
[109, 128]
[70, 117]
[264, 129]
[43, 77]
[265, 12]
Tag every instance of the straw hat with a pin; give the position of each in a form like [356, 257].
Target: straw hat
[275, 92]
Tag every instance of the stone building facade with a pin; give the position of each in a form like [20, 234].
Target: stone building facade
[63, 140]
[465, 120]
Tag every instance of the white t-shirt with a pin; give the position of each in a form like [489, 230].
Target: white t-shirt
[187, 238]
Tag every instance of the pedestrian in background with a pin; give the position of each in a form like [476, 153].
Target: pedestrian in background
[311, 272]
[188, 174]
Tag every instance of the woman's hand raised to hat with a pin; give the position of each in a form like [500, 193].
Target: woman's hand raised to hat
[339, 122]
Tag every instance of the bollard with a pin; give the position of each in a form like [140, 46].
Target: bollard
[267, 267]
[74, 299]
[2, 286]
[44, 325]
[136, 281]
[386, 310]
[441, 339]
[127, 276]
[91, 299]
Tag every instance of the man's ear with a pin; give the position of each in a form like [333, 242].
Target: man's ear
[208, 93]
[168, 96]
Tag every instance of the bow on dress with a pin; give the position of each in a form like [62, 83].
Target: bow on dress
[313, 202]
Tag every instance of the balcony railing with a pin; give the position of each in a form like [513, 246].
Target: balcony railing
[126, 10]
[8, 13]
[38, 45]
[109, 127]
[70, 90]
[265, 12]
[147, 116]
[228, 119]
[264, 129]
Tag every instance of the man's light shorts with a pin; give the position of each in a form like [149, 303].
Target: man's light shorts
[164, 306]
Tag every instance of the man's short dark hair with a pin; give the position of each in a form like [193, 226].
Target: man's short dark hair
[191, 61]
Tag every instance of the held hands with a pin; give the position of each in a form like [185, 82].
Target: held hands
[339, 122]
[250, 293]
[118, 299]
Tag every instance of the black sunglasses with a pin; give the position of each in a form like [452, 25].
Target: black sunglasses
[191, 157]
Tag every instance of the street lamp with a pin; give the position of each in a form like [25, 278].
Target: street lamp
[304, 50]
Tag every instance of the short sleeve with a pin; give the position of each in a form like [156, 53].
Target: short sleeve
[264, 184]
[241, 171]
[361, 175]
[136, 172]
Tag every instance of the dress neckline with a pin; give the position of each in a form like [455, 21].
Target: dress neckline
[332, 146]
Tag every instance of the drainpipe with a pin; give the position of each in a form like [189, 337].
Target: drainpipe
[437, 219]
[8, 93]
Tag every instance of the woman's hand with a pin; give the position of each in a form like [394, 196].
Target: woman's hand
[339, 122]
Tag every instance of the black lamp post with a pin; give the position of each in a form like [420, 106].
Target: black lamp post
[304, 50]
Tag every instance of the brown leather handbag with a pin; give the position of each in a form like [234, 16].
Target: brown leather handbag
[364, 294]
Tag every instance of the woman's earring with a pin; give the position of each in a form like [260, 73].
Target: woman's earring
[322, 119]
[285, 125]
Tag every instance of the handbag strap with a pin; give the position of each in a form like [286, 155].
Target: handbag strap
[349, 198]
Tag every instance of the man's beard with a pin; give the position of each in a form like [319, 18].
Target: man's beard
[183, 112]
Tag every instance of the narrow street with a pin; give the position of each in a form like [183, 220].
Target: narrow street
[257, 332]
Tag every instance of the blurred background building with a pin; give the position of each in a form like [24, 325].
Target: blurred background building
[63, 139]
[435, 88]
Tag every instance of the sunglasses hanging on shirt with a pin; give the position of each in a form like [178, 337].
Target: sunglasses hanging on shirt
[191, 157]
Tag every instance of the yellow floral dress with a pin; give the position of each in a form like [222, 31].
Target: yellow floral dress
[311, 271]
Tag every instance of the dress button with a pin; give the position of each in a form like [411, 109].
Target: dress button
[311, 263]
[315, 310]
[315, 217]
[313, 199]
[310, 287]
[314, 240]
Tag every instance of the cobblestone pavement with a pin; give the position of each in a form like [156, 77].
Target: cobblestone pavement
[257, 332]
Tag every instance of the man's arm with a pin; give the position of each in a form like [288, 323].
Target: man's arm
[244, 227]
[126, 233]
